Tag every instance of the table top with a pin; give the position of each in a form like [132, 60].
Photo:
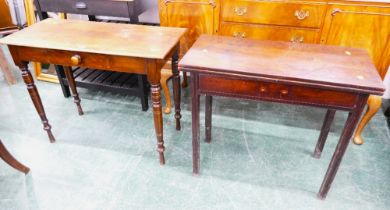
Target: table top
[318, 65]
[96, 37]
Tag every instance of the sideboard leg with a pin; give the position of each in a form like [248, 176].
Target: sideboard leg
[374, 104]
[72, 85]
[10, 160]
[208, 117]
[176, 87]
[345, 137]
[324, 133]
[34, 94]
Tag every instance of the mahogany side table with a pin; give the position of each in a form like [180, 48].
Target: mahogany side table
[116, 47]
[331, 77]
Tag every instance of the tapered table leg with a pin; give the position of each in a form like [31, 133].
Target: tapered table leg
[72, 85]
[352, 120]
[36, 99]
[154, 76]
[195, 97]
[208, 117]
[324, 132]
[176, 87]
[10, 160]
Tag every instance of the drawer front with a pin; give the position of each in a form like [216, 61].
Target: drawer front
[243, 88]
[88, 60]
[265, 32]
[275, 13]
[86, 7]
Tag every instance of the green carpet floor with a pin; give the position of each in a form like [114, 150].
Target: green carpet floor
[260, 157]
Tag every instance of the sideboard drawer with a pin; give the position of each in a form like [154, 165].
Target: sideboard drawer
[276, 13]
[87, 7]
[266, 32]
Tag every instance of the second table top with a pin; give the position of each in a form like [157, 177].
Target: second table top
[318, 65]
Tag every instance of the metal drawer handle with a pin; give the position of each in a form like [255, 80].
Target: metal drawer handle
[239, 34]
[297, 39]
[240, 11]
[75, 60]
[301, 14]
[81, 5]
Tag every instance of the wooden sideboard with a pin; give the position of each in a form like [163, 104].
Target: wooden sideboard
[353, 23]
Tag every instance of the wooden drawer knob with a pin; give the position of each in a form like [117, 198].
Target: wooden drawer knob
[263, 89]
[301, 14]
[284, 92]
[75, 60]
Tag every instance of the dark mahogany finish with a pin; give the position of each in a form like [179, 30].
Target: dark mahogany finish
[335, 78]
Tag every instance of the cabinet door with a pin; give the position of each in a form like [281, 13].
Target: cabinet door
[362, 27]
[5, 19]
[199, 16]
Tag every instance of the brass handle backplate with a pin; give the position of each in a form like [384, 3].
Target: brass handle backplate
[239, 34]
[75, 60]
[240, 11]
[301, 14]
[297, 39]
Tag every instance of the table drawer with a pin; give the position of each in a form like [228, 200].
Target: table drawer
[302, 14]
[242, 88]
[87, 7]
[266, 32]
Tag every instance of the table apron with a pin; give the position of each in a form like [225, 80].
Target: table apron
[90, 60]
[276, 92]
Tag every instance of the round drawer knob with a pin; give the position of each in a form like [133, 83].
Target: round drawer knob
[263, 89]
[284, 92]
[76, 60]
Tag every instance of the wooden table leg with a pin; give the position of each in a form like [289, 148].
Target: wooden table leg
[374, 103]
[34, 94]
[176, 87]
[208, 117]
[10, 160]
[324, 132]
[154, 76]
[6, 69]
[195, 97]
[72, 85]
[165, 76]
[345, 137]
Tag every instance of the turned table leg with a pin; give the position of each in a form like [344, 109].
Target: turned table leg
[10, 160]
[195, 98]
[176, 87]
[72, 85]
[324, 132]
[33, 91]
[374, 104]
[345, 137]
[154, 76]
[208, 117]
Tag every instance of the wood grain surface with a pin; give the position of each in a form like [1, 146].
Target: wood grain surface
[341, 68]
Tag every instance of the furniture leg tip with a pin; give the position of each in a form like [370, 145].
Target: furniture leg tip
[162, 159]
[51, 137]
[316, 155]
[196, 174]
[167, 110]
[321, 197]
[26, 171]
[358, 140]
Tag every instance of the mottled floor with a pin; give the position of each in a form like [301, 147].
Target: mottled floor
[260, 157]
